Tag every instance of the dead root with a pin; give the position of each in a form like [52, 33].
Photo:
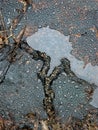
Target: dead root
[7, 33]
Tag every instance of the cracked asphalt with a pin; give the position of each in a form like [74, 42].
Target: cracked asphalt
[76, 18]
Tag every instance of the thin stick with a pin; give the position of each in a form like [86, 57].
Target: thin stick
[3, 24]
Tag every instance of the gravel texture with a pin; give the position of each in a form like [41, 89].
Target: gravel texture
[22, 92]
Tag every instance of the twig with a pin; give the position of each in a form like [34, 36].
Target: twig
[46, 80]
[3, 24]
[2, 75]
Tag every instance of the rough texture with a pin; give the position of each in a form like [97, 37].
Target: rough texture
[69, 17]
[21, 92]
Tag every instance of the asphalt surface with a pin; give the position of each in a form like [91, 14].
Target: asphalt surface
[77, 18]
[71, 17]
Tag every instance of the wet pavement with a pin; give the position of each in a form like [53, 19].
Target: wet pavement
[22, 91]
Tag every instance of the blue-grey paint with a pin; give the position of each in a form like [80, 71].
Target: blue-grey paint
[57, 46]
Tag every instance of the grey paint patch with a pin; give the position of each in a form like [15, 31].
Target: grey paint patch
[52, 42]
[57, 46]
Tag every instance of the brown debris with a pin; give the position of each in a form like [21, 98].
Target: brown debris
[3, 32]
[29, 30]
[78, 35]
[89, 92]
[25, 3]
[20, 35]
[94, 29]
[5, 35]
[44, 125]
[40, 5]
[88, 123]
[86, 61]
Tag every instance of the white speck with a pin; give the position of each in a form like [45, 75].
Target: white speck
[64, 82]
[64, 74]
[76, 95]
[60, 87]
[9, 21]
[28, 71]
[56, 3]
[65, 96]
[61, 111]
[0, 72]
[60, 81]
[62, 2]
[71, 96]
[40, 26]
[11, 78]
[14, 10]
[11, 101]
[61, 103]
[76, 86]
[23, 97]
[63, 115]
[86, 109]
[73, 82]
[29, 7]
[39, 81]
[37, 67]
[22, 105]
[75, 110]
[92, 40]
[37, 87]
